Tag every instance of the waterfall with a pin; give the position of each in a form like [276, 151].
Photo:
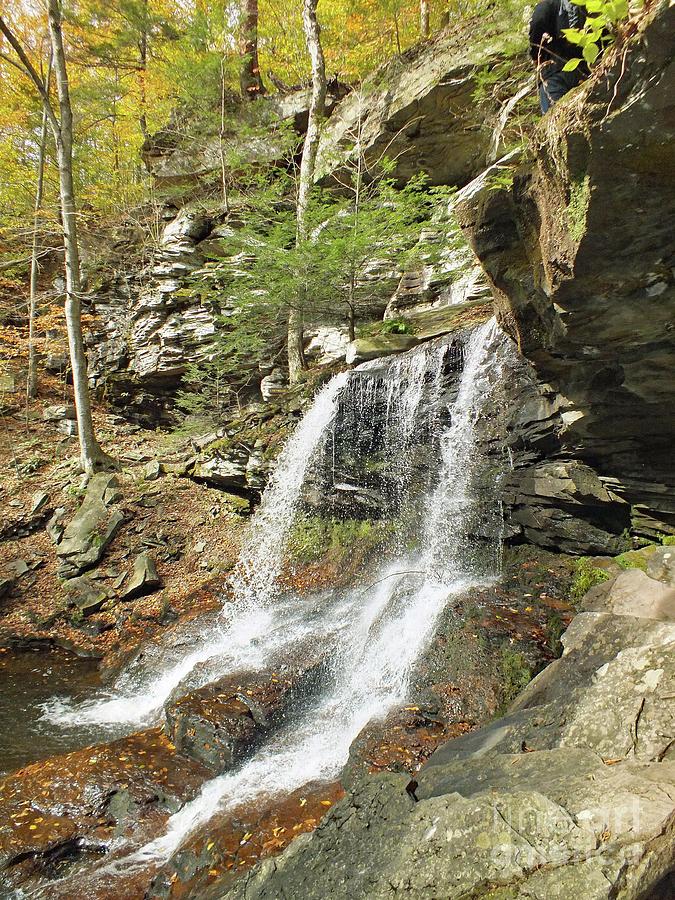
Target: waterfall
[255, 579]
[388, 624]
[248, 630]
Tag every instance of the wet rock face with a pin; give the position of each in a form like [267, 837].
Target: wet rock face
[579, 253]
[71, 809]
[570, 794]
[222, 723]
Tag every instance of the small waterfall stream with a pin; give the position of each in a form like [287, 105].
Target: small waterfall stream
[376, 633]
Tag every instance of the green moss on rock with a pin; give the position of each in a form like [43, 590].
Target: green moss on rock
[587, 576]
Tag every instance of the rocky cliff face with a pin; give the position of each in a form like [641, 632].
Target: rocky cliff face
[430, 109]
[574, 248]
[426, 110]
[580, 256]
[148, 331]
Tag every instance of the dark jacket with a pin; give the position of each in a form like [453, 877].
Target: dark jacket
[550, 17]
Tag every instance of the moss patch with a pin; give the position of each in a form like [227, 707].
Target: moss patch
[580, 192]
[313, 537]
[515, 675]
[587, 576]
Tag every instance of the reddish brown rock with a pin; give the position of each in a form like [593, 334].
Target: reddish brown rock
[69, 808]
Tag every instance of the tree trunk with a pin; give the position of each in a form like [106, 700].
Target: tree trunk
[221, 141]
[251, 82]
[424, 18]
[317, 106]
[143, 69]
[32, 381]
[92, 456]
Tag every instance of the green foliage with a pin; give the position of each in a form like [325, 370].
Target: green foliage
[206, 392]
[76, 616]
[632, 559]
[515, 675]
[489, 77]
[501, 179]
[586, 576]
[668, 541]
[314, 537]
[264, 270]
[554, 629]
[599, 30]
[396, 326]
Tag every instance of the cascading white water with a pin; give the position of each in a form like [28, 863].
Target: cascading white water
[389, 626]
[250, 629]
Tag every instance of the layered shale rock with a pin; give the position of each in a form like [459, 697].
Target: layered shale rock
[580, 257]
[222, 723]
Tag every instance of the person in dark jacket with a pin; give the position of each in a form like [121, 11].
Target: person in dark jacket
[550, 49]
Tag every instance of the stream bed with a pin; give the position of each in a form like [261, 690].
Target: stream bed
[28, 680]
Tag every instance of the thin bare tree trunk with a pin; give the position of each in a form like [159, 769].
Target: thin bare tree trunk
[223, 165]
[251, 81]
[317, 107]
[32, 380]
[143, 69]
[92, 456]
[424, 18]
[397, 33]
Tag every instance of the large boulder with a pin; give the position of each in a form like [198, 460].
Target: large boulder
[420, 109]
[90, 531]
[222, 723]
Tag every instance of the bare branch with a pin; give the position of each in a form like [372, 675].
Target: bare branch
[30, 72]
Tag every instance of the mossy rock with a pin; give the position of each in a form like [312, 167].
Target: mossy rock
[236, 504]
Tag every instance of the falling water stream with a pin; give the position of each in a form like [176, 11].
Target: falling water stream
[375, 633]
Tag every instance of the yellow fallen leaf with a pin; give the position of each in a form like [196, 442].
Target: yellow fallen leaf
[326, 802]
[303, 801]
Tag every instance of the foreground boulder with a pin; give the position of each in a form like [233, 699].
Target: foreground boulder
[93, 527]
